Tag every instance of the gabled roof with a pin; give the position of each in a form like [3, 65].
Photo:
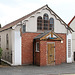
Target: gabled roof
[21, 19]
[71, 20]
[45, 36]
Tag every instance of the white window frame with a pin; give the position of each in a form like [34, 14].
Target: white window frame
[36, 47]
[24, 28]
[7, 43]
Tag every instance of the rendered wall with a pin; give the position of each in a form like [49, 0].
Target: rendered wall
[31, 24]
[72, 25]
[16, 46]
[6, 54]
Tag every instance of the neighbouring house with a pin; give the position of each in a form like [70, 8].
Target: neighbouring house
[39, 38]
[72, 25]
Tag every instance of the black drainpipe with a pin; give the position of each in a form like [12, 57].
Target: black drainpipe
[33, 50]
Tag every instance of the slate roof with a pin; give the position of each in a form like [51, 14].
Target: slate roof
[43, 34]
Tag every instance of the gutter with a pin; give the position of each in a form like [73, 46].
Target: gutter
[6, 29]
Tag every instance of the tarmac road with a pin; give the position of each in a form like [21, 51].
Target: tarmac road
[63, 69]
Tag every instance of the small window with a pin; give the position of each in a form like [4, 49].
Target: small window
[0, 41]
[37, 46]
[24, 28]
[7, 42]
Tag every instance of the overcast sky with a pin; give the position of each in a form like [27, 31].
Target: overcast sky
[11, 10]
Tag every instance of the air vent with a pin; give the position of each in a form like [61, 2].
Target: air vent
[69, 48]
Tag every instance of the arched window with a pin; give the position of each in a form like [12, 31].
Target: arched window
[45, 21]
[7, 42]
[51, 26]
[39, 23]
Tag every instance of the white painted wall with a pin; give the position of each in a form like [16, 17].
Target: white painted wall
[69, 59]
[6, 54]
[16, 46]
[72, 25]
[31, 24]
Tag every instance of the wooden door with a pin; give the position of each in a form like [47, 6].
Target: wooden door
[51, 53]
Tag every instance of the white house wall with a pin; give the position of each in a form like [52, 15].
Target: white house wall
[31, 24]
[16, 46]
[6, 54]
[13, 55]
[72, 25]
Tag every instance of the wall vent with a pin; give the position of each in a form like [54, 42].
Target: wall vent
[69, 48]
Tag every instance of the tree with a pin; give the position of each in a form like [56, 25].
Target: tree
[0, 54]
[0, 25]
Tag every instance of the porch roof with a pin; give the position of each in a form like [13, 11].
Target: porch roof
[49, 35]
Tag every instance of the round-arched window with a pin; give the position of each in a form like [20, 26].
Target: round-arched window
[51, 26]
[39, 23]
[45, 17]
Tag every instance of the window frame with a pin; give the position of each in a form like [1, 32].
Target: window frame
[37, 46]
[39, 24]
[7, 42]
[51, 25]
[45, 23]
[0, 41]
[24, 29]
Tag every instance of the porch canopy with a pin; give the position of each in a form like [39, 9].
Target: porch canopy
[49, 35]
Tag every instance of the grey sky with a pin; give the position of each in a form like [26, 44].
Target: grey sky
[11, 10]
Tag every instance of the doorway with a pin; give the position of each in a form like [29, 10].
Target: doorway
[51, 53]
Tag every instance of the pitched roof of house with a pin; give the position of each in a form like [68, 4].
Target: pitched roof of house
[71, 20]
[46, 34]
[26, 16]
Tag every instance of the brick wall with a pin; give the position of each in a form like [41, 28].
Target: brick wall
[43, 53]
[60, 51]
[40, 58]
[27, 47]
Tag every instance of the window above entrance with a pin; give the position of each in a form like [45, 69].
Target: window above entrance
[45, 23]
